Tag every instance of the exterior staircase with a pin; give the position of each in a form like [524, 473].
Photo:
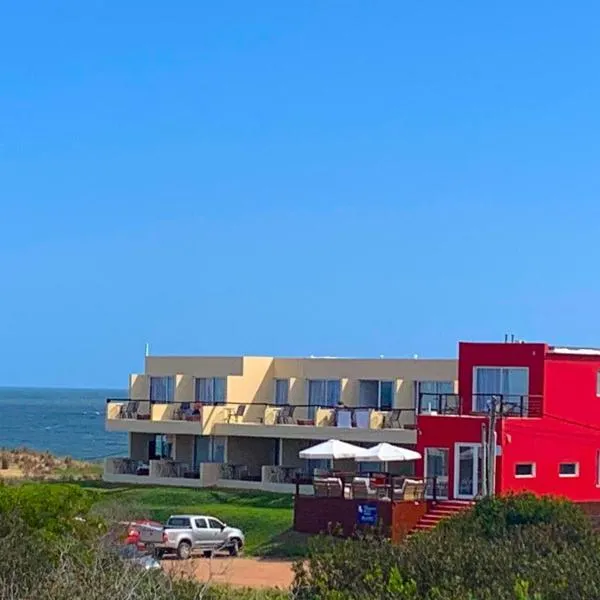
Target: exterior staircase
[443, 509]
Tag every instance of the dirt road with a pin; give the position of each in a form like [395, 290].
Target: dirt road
[247, 572]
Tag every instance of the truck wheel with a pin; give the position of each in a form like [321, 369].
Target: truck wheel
[234, 548]
[184, 550]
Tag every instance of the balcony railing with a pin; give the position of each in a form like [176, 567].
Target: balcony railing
[262, 414]
[382, 486]
[507, 405]
[160, 468]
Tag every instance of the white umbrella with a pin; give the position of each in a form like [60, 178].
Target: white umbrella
[332, 449]
[387, 453]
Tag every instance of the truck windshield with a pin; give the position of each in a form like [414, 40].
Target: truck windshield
[179, 523]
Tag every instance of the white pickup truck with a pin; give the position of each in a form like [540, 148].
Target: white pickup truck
[185, 534]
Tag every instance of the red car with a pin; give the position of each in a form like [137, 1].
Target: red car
[133, 532]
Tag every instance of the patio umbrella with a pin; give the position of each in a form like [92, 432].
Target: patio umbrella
[386, 453]
[332, 449]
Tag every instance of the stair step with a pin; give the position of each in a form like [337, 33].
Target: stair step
[440, 512]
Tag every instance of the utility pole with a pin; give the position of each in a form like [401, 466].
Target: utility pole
[484, 461]
[491, 446]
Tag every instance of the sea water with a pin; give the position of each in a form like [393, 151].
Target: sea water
[67, 422]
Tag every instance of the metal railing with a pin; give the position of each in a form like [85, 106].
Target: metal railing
[286, 414]
[507, 405]
[382, 486]
[237, 472]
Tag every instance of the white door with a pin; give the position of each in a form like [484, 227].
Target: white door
[466, 470]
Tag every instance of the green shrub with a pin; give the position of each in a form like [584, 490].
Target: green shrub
[516, 547]
[52, 509]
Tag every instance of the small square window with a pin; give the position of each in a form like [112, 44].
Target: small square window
[525, 470]
[569, 469]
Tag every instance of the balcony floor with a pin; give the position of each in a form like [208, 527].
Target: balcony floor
[311, 432]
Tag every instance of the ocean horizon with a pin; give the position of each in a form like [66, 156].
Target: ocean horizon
[63, 421]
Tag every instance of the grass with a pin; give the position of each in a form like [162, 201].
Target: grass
[265, 518]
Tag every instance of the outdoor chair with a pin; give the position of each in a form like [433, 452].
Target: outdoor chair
[393, 419]
[237, 415]
[286, 416]
[343, 417]
[361, 489]
[335, 488]
[412, 490]
[129, 410]
[180, 413]
[321, 488]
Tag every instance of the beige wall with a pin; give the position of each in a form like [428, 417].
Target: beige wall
[290, 450]
[250, 378]
[359, 368]
[184, 388]
[256, 382]
[138, 387]
[254, 452]
[184, 448]
[195, 366]
[138, 445]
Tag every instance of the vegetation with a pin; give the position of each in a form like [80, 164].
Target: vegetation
[55, 548]
[58, 542]
[265, 518]
[519, 547]
[22, 463]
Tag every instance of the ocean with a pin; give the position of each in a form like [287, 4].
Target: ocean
[67, 422]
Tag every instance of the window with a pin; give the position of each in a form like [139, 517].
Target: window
[428, 393]
[179, 523]
[282, 388]
[370, 467]
[386, 395]
[376, 394]
[201, 524]
[525, 470]
[324, 392]
[162, 389]
[160, 447]
[510, 382]
[214, 524]
[208, 449]
[568, 469]
[317, 464]
[598, 383]
[211, 390]
[217, 450]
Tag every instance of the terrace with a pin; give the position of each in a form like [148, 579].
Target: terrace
[262, 420]
[221, 475]
[507, 405]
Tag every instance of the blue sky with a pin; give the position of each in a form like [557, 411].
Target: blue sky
[293, 178]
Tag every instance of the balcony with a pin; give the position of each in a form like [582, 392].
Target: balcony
[150, 472]
[507, 405]
[315, 423]
[262, 420]
[222, 475]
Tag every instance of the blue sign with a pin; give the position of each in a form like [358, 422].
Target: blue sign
[367, 514]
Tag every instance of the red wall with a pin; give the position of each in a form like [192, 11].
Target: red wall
[548, 444]
[472, 355]
[436, 431]
[569, 431]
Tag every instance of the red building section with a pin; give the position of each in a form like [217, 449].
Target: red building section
[548, 429]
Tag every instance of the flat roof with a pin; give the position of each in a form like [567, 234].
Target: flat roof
[574, 350]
